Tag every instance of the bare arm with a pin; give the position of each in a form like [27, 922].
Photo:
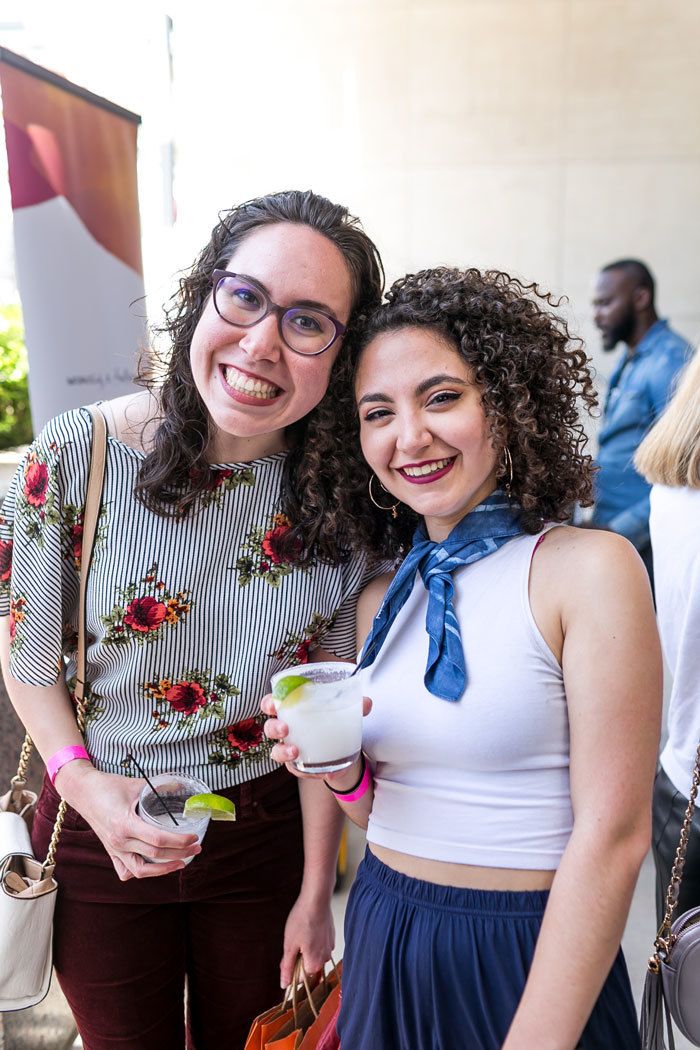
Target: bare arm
[309, 929]
[367, 606]
[105, 801]
[612, 674]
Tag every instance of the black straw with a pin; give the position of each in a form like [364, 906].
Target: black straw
[153, 789]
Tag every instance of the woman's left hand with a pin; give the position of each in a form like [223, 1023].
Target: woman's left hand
[310, 932]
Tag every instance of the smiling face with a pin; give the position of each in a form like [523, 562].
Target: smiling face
[423, 428]
[252, 384]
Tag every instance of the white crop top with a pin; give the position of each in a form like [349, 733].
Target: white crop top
[483, 780]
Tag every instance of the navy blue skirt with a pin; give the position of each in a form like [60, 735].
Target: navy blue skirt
[431, 967]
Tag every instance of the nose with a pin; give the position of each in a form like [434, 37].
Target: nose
[413, 436]
[262, 341]
[598, 315]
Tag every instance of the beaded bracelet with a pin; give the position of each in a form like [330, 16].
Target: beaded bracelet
[355, 793]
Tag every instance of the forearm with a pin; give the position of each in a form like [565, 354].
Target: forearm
[323, 825]
[579, 939]
[358, 812]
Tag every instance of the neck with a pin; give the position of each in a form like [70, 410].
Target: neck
[643, 324]
[438, 529]
[228, 448]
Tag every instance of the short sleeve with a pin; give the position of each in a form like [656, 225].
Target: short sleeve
[340, 639]
[40, 532]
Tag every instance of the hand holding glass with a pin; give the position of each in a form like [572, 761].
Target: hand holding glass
[323, 716]
[173, 791]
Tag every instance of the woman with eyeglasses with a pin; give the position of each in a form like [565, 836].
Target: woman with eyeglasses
[515, 676]
[214, 566]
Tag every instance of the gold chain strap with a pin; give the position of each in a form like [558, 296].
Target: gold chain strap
[20, 776]
[93, 499]
[664, 938]
[55, 835]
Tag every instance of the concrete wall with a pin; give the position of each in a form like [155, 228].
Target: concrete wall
[546, 137]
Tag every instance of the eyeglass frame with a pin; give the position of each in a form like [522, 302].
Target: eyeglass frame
[273, 308]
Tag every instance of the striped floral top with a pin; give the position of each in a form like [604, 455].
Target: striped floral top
[186, 619]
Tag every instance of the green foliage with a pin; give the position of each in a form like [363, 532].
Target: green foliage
[15, 420]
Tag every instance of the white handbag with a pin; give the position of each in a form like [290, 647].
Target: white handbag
[27, 886]
[27, 901]
[672, 986]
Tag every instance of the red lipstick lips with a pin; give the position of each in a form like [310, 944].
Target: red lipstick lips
[424, 479]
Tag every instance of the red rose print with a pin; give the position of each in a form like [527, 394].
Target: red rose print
[36, 482]
[219, 477]
[302, 652]
[275, 547]
[245, 735]
[145, 614]
[186, 697]
[13, 626]
[5, 560]
[76, 533]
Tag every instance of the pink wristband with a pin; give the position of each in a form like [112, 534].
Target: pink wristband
[360, 790]
[62, 757]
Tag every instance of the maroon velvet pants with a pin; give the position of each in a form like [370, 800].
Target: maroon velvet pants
[122, 950]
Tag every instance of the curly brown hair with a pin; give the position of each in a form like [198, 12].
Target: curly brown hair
[532, 373]
[176, 472]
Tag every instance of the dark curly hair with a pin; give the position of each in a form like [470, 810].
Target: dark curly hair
[175, 472]
[532, 374]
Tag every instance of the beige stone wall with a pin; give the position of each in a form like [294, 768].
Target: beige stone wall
[546, 137]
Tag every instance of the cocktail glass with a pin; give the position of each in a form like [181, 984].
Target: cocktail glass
[175, 789]
[325, 721]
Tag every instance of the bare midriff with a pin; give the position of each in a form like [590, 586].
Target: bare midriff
[463, 876]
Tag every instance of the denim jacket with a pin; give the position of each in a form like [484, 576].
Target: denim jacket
[637, 394]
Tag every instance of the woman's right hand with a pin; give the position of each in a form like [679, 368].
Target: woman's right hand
[108, 803]
[276, 730]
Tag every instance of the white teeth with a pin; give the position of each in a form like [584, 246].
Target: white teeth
[248, 385]
[426, 468]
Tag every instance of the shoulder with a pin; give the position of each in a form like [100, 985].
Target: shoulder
[585, 567]
[62, 447]
[132, 418]
[677, 343]
[669, 353]
[369, 601]
[70, 428]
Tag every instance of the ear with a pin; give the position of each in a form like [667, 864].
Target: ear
[641, 297]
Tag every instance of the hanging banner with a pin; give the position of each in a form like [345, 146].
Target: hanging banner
[72, 168]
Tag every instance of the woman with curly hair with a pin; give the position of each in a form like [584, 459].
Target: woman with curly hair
[209, 574]
[515, 679]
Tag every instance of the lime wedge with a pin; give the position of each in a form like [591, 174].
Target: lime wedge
[218, 807]
[290, 689]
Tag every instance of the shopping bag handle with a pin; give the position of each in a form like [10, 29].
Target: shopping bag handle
[301, 977]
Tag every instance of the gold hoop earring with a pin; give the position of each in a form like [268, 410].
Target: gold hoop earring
[507, 471]
[392, 510]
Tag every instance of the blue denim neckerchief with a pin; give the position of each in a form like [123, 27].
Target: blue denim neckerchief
[481, 532]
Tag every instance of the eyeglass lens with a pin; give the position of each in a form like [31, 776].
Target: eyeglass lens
[304, 330]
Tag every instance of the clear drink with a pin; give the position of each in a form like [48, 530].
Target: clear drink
[325, 718]
[174, 789]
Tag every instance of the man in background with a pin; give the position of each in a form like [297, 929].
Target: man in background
[640, 386]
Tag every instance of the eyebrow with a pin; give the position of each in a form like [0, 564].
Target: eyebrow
[310, 303]
[422, 388]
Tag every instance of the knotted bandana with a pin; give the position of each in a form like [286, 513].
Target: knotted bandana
[481, 532]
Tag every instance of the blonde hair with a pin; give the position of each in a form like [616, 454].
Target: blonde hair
[670, 453]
